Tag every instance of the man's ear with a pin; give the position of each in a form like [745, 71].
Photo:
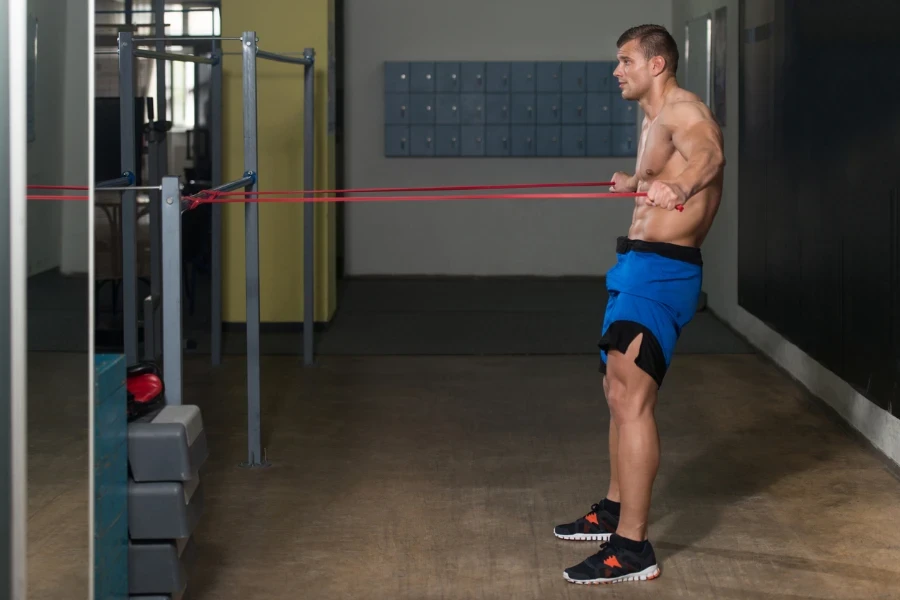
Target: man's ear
[657, 65]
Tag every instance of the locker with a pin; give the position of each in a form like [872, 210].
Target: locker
[472, 109]
[524, 108]
[396, 140]
[498, 108]
[472, 74]
[523, 77]
[574, 140]
[396, 109]
[422, 141]
[447, 78]
[523, 140]
[396, 77]
[549, 75]
[574, 108]
[600, 77]
[499, 141]
[548, 140]
[421, 109]
[599, 140]
[549, 109]
[498, 78]
[599, 110]
[448, 140]
[447, 109]
[473, 143]
[421, 77]
[625, 140]
[574, 77]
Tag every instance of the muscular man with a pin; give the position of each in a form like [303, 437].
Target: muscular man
[653, 294]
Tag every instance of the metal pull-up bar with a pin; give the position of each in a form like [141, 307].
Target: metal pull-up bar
[304, 60]
[203, 60]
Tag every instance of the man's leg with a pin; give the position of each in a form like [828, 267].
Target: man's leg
[631, 395]
[632, 400]
[601, 522]
[613, 493]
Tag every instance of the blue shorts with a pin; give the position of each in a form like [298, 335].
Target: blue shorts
[653, 289]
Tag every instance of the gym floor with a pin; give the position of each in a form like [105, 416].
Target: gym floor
[439, 475]
[427, 477]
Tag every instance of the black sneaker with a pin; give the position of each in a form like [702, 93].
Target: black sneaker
[596, 526]
[617, 561]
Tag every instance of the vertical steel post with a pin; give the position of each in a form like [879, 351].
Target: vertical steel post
[171, 288]
[162, 162]
[13, 302]
[215, 128]
[129, 208]
[251, 223]
[309, 246]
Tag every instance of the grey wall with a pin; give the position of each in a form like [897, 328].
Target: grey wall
[721, 259]
[494, 237]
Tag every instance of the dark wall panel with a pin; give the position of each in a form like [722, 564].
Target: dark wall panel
[820, 134]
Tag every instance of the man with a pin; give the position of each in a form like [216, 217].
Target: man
[653, 294]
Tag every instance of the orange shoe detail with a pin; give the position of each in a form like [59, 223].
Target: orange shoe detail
[612, 561]
[592, 518]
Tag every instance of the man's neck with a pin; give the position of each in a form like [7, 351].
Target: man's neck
[655, 99]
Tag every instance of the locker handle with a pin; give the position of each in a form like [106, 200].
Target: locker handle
[478, 140]
[579, 111]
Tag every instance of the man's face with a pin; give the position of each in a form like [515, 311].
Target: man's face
[633, 72]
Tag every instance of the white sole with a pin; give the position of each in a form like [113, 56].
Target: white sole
[645, 575]
[585, 537]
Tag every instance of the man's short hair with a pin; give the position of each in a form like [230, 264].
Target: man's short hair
[654, 40]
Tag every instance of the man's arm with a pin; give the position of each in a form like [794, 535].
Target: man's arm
[699, 140]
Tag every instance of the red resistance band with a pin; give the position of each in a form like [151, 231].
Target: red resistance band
[210, 196]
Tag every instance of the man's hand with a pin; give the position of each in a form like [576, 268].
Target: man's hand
[666, 195]
[622, 182]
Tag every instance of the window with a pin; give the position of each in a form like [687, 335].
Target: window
[181, 77]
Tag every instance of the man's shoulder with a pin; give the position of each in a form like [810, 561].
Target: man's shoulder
[686, 110]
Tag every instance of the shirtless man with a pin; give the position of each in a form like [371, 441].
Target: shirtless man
[653, 294]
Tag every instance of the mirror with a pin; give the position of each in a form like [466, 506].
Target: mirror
[59, 292]
[697, 56]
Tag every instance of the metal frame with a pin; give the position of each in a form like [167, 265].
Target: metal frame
[171, 207]
[13, 317]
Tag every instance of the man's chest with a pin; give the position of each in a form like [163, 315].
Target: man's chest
[655, 151]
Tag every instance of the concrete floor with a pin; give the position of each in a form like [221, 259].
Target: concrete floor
[58, 464]
[442, 477]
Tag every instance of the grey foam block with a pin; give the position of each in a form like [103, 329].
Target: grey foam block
[159, 567]
[164, 510]
[167, 446]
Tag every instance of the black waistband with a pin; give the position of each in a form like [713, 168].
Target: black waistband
[688, 254]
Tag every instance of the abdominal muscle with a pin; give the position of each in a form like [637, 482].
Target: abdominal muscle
[658, 159]
[686, 228]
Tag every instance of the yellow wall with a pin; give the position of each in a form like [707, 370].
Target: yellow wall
[281, 26]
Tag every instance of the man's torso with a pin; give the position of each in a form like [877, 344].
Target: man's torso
[659, 159]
